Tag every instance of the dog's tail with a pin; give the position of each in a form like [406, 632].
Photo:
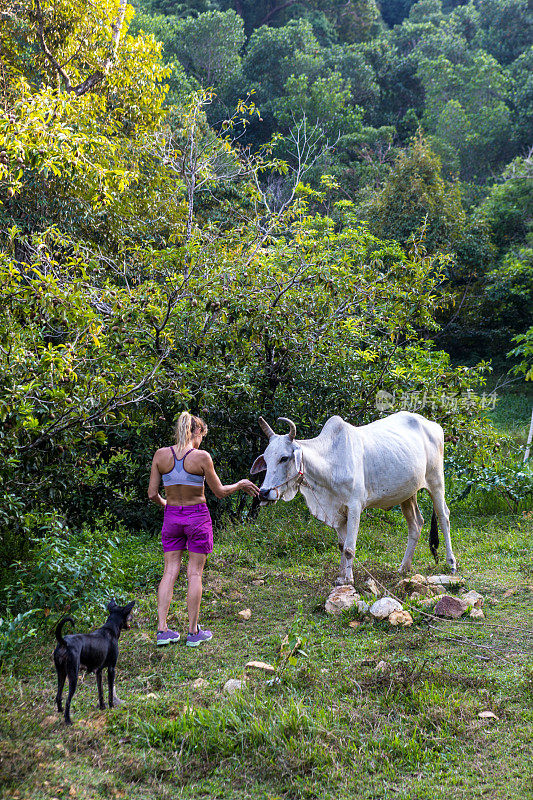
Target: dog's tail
[434, 537]
[59, 629]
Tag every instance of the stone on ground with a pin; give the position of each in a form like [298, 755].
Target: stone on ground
[487, 715]
[477, 613]
[402, 618]
[361, 606]
[246, 613]
[354, 623]
[233, 685]
[372, 587]
[341, 598]
[474, 599]
[200, 683]
[450, 607]
[258, 582]
[382, 608]
[445, 580]
[382, 667]
[414, 586]
[261, 665]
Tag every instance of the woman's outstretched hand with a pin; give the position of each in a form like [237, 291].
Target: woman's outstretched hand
[250, 488]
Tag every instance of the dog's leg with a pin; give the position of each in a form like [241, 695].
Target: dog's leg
[61, 677]
[73, 668]
[111, 685]
[101, 703]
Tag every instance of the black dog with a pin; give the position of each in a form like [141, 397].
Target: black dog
[95, 651]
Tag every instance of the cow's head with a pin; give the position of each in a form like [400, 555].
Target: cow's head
[282, 461]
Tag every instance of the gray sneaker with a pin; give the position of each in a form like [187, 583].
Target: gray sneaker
[167, 637]
[195, 639]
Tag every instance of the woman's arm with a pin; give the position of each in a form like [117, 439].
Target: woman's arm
[153, 486]
[218, 489]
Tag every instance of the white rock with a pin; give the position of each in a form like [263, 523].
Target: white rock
[474, 599]
[200, 683]
[487, 715]
[372, 587]
[418, 578]
[445, 580]
[341, 598]
[401, 618]
[246, 613]
[477, 613]
[382, 667]
[382, 608]
[232, 686]
[261, 665]
[361, 606]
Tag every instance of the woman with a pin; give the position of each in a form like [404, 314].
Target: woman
[187, 525]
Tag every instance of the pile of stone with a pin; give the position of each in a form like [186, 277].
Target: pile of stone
[345, 597]
[429, 594]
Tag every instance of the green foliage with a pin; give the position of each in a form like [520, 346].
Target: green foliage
[415, 196]
[208, 46]
[15, 632]
[66, 573]
[524, 351]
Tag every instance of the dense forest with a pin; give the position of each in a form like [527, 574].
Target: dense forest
[252, 207]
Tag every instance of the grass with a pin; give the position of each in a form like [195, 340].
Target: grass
[331, 726]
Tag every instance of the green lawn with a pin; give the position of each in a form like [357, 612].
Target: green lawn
[331, 727]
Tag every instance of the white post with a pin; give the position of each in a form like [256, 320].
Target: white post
[529, 438]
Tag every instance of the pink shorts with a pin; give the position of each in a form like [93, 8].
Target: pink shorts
[187, 528]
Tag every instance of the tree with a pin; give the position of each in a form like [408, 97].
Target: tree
[209, 45]
[415, 196]
[505, 28]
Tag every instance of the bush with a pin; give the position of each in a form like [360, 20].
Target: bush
[14, 632]
[66, 572]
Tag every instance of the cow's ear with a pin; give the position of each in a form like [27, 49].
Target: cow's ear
[298, 458]
[259, 465]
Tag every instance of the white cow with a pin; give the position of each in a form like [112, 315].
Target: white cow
[346, 469]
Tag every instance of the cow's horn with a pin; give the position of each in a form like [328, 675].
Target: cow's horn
[292, 432]
[265, 427]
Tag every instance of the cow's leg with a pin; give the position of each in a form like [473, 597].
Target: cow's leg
[346, 573]
[415, 521]
[443, 515]
[352, 529]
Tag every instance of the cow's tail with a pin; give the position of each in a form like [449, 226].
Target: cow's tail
[59, 629]
[434, 537]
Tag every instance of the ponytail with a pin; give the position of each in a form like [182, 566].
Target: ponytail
[186, 427]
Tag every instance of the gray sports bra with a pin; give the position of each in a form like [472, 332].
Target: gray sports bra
[178, 475]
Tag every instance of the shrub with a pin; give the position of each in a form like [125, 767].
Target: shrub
[66, 573]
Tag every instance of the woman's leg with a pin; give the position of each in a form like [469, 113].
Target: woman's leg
[166, 587]
[195, 570]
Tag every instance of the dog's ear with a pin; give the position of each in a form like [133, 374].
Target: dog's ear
[111, 606]
[128, 609]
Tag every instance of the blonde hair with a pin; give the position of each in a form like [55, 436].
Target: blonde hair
[188, 426]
